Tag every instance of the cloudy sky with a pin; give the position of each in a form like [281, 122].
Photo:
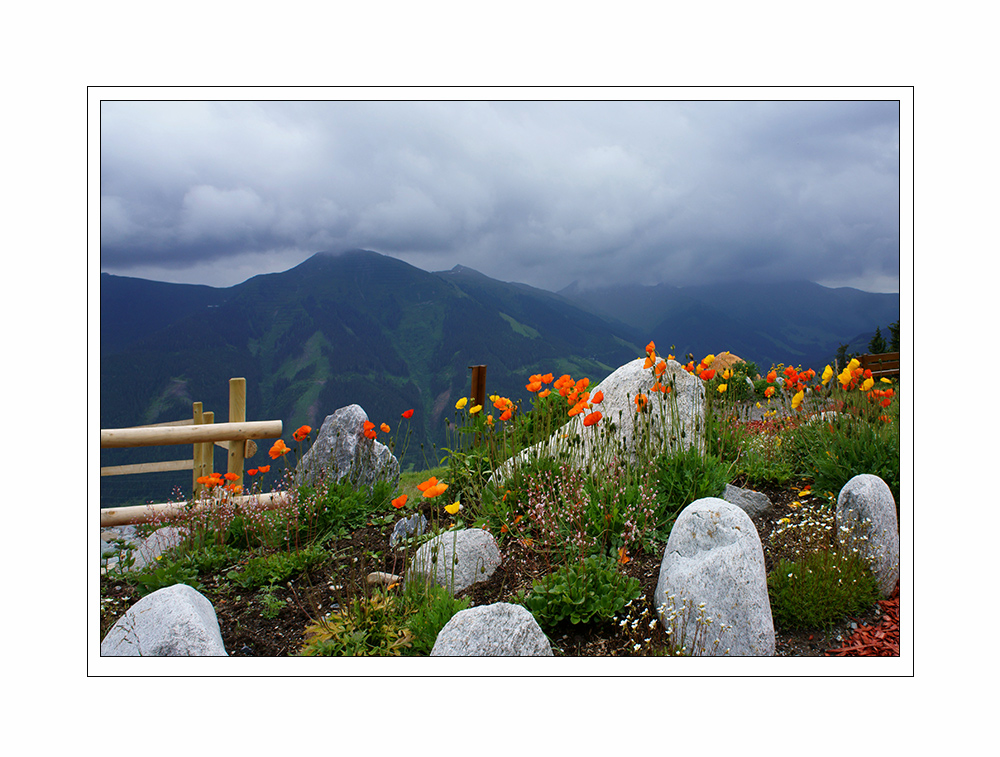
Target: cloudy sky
[544, 193]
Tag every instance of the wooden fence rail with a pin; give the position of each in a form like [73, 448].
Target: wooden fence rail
[200, 430]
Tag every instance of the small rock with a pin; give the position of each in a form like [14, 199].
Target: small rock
[497, 630]
[382, 578]
[407, 527]
[456, 559]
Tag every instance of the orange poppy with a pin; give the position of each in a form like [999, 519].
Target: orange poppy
[547, 378]
[264, 468]
[597, 398]
[385, 427]
[369, 429]
[772, 377]
[231, 477]
[278, 449]
[399, 501]
[593, 418]
[301, 433]
[650, 348]
[708, 375]
[252, 472]
[640, 402]
[506, 415]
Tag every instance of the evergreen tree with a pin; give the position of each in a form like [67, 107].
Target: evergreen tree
[894, 342]
[842, 358]
[877, 344]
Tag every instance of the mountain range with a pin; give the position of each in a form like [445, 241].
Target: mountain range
[361, 328]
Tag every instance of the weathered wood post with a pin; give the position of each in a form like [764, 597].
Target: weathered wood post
[237, 414]
[198, 466]
[478, 390]
[479, 384]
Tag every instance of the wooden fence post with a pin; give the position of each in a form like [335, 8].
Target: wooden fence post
[479, 384]
[237, 414]
[197, 416]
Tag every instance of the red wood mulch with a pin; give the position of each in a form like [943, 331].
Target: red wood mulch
[881, 640]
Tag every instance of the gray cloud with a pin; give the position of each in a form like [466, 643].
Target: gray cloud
[545, 193]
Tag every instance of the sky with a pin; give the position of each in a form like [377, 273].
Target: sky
[545, 193]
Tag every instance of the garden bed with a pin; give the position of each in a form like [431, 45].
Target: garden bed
[251, 627]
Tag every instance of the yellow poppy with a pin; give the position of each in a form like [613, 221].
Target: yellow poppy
[453, 508]
[461, 403]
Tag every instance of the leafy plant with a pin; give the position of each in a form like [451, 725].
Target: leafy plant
[163, 573]
[590, 590]
[682, 478]
[819, 589]
[833, 452]
[368, 626]
[276, 567]
[436, 606]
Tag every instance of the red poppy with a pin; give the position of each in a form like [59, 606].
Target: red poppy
[369, 429]
[252, 472]
[408, 413]
[708, 375]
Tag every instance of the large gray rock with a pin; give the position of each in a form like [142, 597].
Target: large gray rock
[173, 622]
[672, 421]
[751, 502]
[455, 559]
[866, 523]
[497, 630]
[341, 450]
[713, 585]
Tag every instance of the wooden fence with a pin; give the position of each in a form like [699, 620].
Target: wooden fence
[202, 432]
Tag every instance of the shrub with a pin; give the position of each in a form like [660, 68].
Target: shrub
[582, 592]
[819, 590]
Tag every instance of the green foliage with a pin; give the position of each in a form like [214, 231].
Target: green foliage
[877, 344]
[368, 627]
[183, 565]
[335, 510]
[272, 605]
[835, 451]
[819, 590]
[682, 478]
[894, 334]
[435, 607]
[277, 567]
[582, 592]
[163, 573]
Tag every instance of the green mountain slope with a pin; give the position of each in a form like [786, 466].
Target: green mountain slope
[352, 328]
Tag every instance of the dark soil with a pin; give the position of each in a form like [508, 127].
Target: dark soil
[247, 631]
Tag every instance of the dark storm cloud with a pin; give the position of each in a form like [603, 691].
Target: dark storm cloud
[545, 193]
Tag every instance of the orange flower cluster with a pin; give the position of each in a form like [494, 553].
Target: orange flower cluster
[701, 370]
[579, 399]
[261, 469]
[659, 365]
[431, 487]
[215, 479]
